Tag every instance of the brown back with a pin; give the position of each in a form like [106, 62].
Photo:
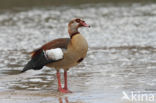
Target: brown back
[57, 43]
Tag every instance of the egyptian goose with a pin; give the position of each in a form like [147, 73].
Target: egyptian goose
[62, 53]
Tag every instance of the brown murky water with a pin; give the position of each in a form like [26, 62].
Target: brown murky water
[121, 57]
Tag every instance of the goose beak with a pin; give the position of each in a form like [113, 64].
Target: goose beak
[84, 24]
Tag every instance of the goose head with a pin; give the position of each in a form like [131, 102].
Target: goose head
[75, 24]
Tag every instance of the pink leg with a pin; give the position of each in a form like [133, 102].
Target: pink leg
[59, 81]
[65, 83]
[60, 89]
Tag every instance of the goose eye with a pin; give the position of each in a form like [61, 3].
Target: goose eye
[77, 20]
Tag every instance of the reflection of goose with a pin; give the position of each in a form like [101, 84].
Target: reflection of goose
[61, 101]
[61, 53]
[67, 101]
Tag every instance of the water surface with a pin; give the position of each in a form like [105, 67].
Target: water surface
[121, 54]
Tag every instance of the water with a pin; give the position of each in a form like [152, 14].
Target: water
[121, 54]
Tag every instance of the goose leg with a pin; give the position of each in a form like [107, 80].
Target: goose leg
[65, 82]
[59, 81]
[60, 89]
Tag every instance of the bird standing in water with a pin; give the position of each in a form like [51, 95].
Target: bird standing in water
[62, 53]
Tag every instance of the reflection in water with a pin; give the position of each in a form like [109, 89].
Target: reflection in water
[11, 72]
[61, 101]
[66, 100]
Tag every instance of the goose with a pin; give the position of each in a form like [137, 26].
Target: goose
[62, 53]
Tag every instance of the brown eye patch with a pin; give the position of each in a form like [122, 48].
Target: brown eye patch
[77, 20]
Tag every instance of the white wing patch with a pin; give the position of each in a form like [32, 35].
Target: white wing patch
[54, 54]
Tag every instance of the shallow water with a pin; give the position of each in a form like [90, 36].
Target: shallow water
[121, 54]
